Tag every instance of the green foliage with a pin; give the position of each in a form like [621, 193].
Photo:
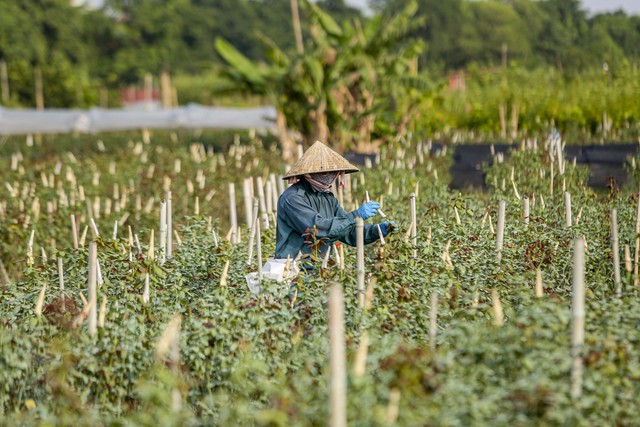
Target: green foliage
[247, 360]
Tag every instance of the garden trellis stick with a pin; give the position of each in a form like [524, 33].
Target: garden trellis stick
[414, 225]
[577, 317]
[252, 231]
[92, 293]
[637, 248]
[616, 252]
[169, 230]
[337, 359]
[500, 231]
[567, 210]
[360, 260]
[232, 213]
[433, 320]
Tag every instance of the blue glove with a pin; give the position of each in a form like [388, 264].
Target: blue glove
[368, 210]
[387, 227]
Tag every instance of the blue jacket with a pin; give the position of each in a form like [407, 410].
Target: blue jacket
[301, 207]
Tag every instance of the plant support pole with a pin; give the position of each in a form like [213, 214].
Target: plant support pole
[337, 361]
[169, 226]
[93, 263]
[232, 213]
[616, 252]
[500, 231]
[577, 318]
[567, 209]
[360, 259]
[414, 226]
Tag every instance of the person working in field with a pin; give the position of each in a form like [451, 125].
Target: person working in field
[308, 205]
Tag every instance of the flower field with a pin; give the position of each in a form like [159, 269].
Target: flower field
[465, 324]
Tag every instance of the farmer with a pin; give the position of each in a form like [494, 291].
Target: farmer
[309, 203]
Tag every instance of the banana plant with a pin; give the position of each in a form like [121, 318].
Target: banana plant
[353, 83]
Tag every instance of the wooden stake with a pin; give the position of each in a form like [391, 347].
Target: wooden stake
[500, 233]
[74, 231]
[263, 204]
[360, 362]
[577, 318]
[225, 273]
[433, 320]
[360, 259]
[498, 313]
[259, 250]
[232, 213]
[414, 225]
[163, 231]
[93, 295]
[616, 253]
[252, 232]
[169, 227]
[525, 209]
[637, 249]
[337, 359]
[393, 408]
[539, 288]
[146, 293]
[567, 210]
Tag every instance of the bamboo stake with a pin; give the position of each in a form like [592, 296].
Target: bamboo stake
[103, 312]
[393, 408]
[325, 260]
[414, 226]
[5, 275]
[169, 226]
[525, 208]
[40, 301]
[498, 312]
[74, 231]
[360, 259]
[93, 263]
[94, 229]
[360, 362]
[577, 318]
[146, 292]
[627, 259]
[84, 235]
[152, 244]
[500, 231]
[259, 250]
[337, 360]
[616, 253]
[163, 231]
[567, 210]
[539, 288]
[433, 320]
[252, 232]
[637, 249]
[263, 205]
[225, 272]
[247, 192]
[232, 213]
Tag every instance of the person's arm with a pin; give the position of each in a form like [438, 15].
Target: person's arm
[302, 216]
[370, 230]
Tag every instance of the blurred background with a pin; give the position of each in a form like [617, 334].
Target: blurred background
[495, 68]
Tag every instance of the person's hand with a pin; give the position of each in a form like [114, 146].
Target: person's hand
[368, 210]
[387, 227]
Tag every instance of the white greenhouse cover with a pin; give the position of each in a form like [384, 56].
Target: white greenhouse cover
[27, 121]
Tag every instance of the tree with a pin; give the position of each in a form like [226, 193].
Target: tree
[348, 77]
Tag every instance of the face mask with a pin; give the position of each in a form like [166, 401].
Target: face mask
[321, 181]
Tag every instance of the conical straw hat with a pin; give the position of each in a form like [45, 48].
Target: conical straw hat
[320, 158]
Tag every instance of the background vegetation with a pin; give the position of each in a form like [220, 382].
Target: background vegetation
[547, 60]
